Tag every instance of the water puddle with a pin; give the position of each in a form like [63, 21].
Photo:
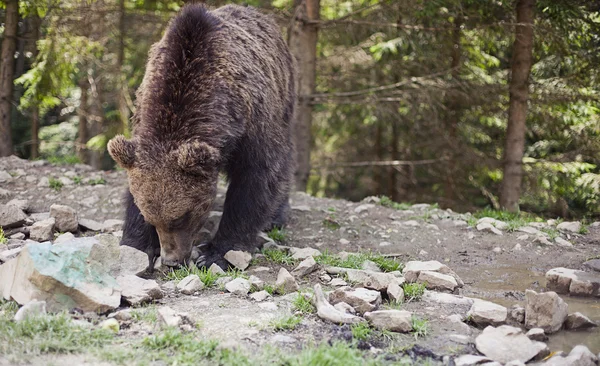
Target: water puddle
[506, 286]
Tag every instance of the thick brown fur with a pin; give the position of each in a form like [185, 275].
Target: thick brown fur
[218, 95]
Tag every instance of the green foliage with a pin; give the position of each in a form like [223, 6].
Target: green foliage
[96, 181]
[236, 273]
[356, 261]
[413, 291]
[3, 238]
[77, 179]
[278, 256]
[147, 314]
[63, 159]
[330, 222]
[420, 327]
[553, 233]
[277, 234]
[514, 220]
[55, 184]
[272, 289]
[385, 201]
[361, 331]
[336, 354]
[303, 304]
[206, 276]
[286, 323]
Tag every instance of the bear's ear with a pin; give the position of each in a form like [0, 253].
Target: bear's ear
[122, 151]
[195, 156]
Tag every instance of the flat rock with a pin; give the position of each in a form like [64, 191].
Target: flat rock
[536, 334]
[23, 205]
[488, 228]
[66, 218]
[579, 356]
[578, 321]
[285, 281]
[239, 259]
[11, 216]
[495, 222]
[307, 266]
[370, 266]
[412, 269]
[395, 292]
[437, 281]
[303, 253]
[109, 226]
[392, 320]
[572, 226]
[562, 242]
[131, 261]
[260, 296]
[31, 309]
[344, 308]
[42, 230]
[136, 290]
[215, 269]
[574, 282]
[471, 360]
[64, 237]
[506, 343]
[545, 310]
[485, 313]
[361, 299]
[65, 275]
[90, 225]
[256, 282]
[238, 286]
[190, 284]
[364, 207]
[593, 264]
[9, 254]
[372, 280]
[169, 317]
[448, 299]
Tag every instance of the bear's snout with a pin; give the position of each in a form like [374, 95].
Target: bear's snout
[175, 248]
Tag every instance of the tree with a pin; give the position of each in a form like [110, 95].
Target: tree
[7, 70]
[302, 40]
[517, 113]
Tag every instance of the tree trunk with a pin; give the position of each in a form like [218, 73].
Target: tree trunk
[7, 70]
[36, 23]
[302, 41]
[393, 189]
[379, 176]
[517, 111]
[82, 116]
[122, 83]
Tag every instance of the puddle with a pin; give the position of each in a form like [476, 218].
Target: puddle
[506, 286]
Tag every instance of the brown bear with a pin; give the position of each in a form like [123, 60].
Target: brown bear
[217, 96]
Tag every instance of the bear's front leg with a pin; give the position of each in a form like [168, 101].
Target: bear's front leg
[139, 234]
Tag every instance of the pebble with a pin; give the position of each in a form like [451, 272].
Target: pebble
[190, 285]
[238, 286]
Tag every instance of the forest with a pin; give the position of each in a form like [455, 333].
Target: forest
[465, 103]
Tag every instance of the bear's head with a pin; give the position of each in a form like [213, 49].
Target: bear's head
[174, 189]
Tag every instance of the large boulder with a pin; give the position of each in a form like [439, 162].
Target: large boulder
[574, 282]
[66, 218]
[136, 290]
[42, 230]
[487, 313]
[545, 310]
[506, 343]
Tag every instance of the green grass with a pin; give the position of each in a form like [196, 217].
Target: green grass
[336, 354]
[97, 181]
[553, 233]
[385, 201]
[55, 184]
[206, 276]
[235, 273]
[514, 220]
[413, 291]
[64, 160]
[356, 261]
[361, 331]
[394, 305]
[277, 234]
[583, 229]
[472, 221]
[420, 327]
[330, 222]
[272, 289]
[77, 179]
[147, 314]
[278, 256]
[286, 323]
[302, 304]
[3, 238]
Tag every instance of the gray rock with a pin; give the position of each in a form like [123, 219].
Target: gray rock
[444, 298]
[517, 313]
[487, 313]
[364, 207]
[280, 338]
[40, 216]
[222, 281]
[545, 310]
[562, 242]
[361, 299]
[190, 284]
[578, 321]
[593, 264]
[572, 226]
[136, 290]
[66, 218]
[372, 280]
[122, 315]
[260, 296]
[392, 320]
[23, 205]
[395, 292]
[238, 286]
[412, 269]
[286, 282]
[11, 216]
[579, 356]
[169, 286]
[303, 253]
[18, 236]
[62, 238]
[337, 282]
[471, 360]
[131, 261]
[344, 308]
[256, 283]
[31, 309]
[307, 266]
[169, 317]
[44, 182]
[494, 222]
[42, 230]
[574, 282]
[238, 258]
[90, 225]
[536, 334]
[506, 343]
[112, 225]
[5, 176]
[437, 281]
[4, 193]
[9, 254]
[215, 269]
[488, 228]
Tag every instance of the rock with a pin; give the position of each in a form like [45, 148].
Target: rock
[574, 282]
[542, 239]
[578, 321]
[545, 310]
[392, 320]
[285, 281]
[471, 360]
[4, 193]
[40, 216]
[361, 299]
[215, 269]
[412, 269]
[31, 309]
[489, 228]
[90, 225]
[222, 281]
[42, 230]
[395, 292]
[280, 338]
[448, 299]
[303, 253]
[169, 317]
[363, 208]
[370, 266]
[579, 356]
[305, 267]
[572, 226]
[485, 313]
[239, 259]
[62, 238]
[536, 334]
[112, 225]
[337, 282]
[344, 241]
[65, 275]
[111, 325]
[238, 286]
[256, 283]
[494, 222]
[411, 223]
[302, 208]
[517, 247]
[344, 308]
[531, 230]
[372, 280]
[5, 176]
[190, 284]
[18, 236]
[562, 242]
[437, 281]
[268, 306]
[593, 264]
[169, 286]
[122, 315]
[136, 290]
[23, 205]
[327, 312]
[66, 218]
[517, 313]
[11, 216]
[9, 254]
[506, 343]
[44, 182]
[131, 261]
[260, 296]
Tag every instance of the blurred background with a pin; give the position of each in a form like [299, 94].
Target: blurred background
[465, 103]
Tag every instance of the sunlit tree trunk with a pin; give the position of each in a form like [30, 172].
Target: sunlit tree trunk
[302, 41]
[7, 70]
[517, 112]
[82, 133]
[35, 22]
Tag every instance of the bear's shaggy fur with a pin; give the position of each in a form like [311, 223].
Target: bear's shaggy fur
[218, 95]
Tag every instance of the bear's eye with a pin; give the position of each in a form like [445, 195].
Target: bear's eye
[180, 222]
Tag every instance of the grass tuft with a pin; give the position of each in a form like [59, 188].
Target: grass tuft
[55, 184]
[413, 291]
[278, 256]
[356, 261]
[206, 276]
[277, 234]
[514, 220]
[286, 323]
[303, 304]
[77, 179]
[420, 327]
[385, 201]
[93, 182]
[361, 331]
[3, 238]
[147, 314]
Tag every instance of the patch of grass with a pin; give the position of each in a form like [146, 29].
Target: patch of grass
[472, 221]
[553, 233]
[514, 220]
[583, 229]
[3, 238]
[394, 305]
[147, 314]
[278, 256]
[93, 182]
[8, 309]
[272, 289]
[302, 304]
[386, 264]
[236, 273]
[330, 222]
[77, 179]
[286, 323]
[206, 276]
[420, 327]
[356, 261]
[336, 354]
[277, 234]
[55, 184]
[385, 201]
[413, 291]
[361, 331]
[53, 334]
[64, 159]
